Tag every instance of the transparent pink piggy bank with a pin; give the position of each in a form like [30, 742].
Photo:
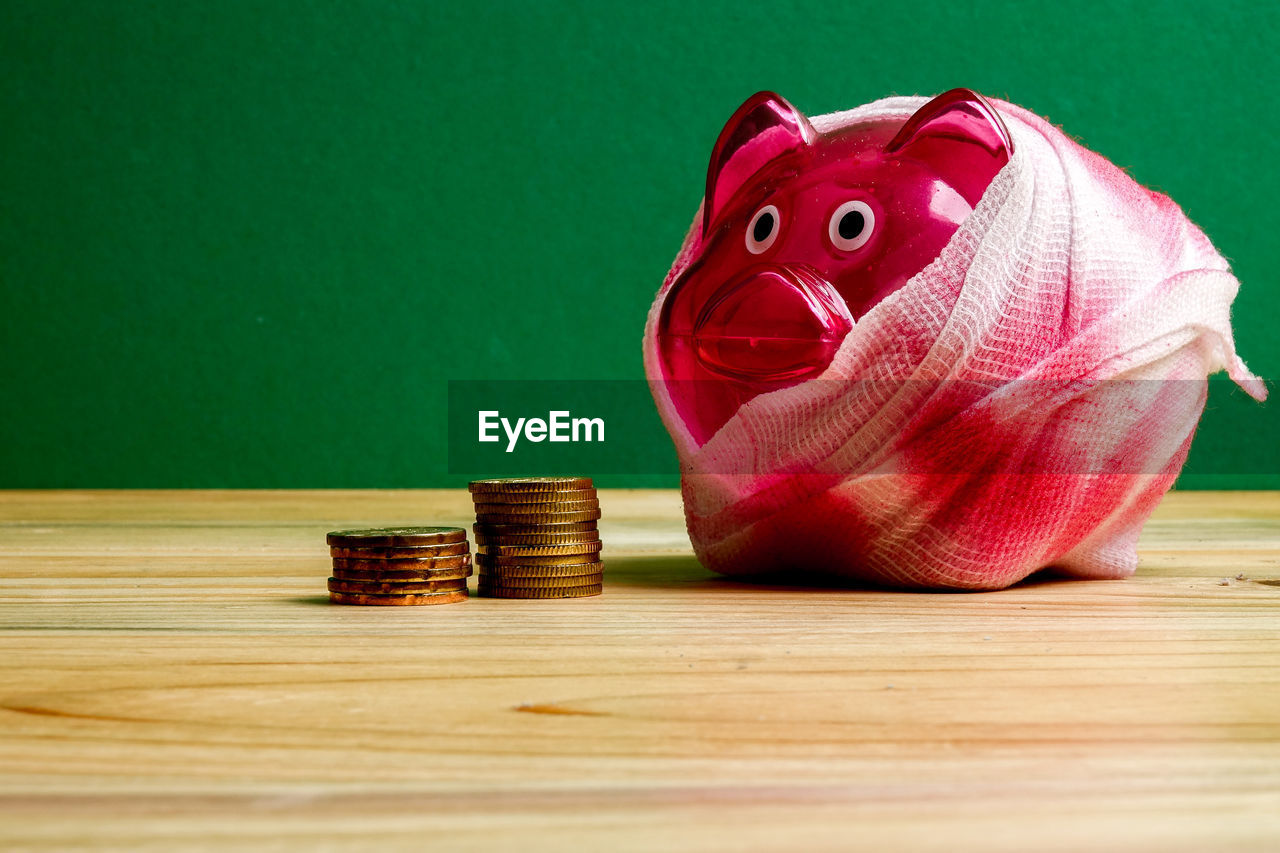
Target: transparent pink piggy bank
[804, 232]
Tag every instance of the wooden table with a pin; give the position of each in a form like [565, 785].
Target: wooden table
[173, 677]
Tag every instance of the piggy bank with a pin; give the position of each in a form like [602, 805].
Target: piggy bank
[803, 233]
[894, 349]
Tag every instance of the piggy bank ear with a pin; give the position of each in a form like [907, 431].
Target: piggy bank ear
[959, 135]
[763, 128]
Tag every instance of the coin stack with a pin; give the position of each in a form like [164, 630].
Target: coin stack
[399, 565]
[536, 537]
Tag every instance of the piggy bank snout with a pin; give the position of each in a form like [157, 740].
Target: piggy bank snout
[771, 322]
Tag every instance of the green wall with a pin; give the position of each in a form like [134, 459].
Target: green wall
[245, 244]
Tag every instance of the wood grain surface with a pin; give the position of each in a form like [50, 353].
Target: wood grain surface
[172, 677]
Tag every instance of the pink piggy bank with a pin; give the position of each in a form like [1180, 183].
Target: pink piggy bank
[804, 232]
[931, 343]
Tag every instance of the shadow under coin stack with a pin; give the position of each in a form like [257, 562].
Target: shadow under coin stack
[399, 565]
[536, 537]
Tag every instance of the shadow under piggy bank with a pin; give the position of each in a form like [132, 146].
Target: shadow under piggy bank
[685, 572]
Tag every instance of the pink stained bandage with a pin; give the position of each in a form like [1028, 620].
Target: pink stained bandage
[1020, 400]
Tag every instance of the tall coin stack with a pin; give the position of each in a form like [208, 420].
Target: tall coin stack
[399, 565]
[536, 537]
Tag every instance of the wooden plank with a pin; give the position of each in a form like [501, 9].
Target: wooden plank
[171, 676]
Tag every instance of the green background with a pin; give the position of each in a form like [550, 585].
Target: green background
[246, 244]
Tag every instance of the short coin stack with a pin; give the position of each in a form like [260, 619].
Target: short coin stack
[536, 537]
[399, 565]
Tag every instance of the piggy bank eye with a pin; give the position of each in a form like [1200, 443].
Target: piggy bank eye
[763, 229]
[851, 225]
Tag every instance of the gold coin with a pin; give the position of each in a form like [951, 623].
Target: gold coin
[581, 537]
[507, 550]
[395, 537]
[566, 496]
[530, 592]
[536, 518]
[407, 599]
[369, 587]
[500, 577]
[402, 574]
[531, 484]
[492, 560]
[455, 561]
[498, 531]
[536, 509]
[448, 549]
[535, 575]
